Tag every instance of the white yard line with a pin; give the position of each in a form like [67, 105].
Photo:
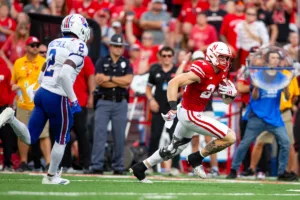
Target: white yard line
[159, 179]
[292, 190]
[27, 193]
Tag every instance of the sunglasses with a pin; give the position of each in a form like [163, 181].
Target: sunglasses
[43, 52]
[34, 45]
[167, 55]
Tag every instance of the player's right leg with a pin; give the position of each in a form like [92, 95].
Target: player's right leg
[181, 138]
[205, 125]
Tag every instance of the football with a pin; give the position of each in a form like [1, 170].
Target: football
[226, 99]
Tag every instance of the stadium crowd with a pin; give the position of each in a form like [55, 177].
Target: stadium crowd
[156, 32]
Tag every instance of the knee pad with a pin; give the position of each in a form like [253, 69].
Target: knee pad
[173, 149]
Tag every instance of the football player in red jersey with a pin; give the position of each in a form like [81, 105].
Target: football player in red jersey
[205, 76]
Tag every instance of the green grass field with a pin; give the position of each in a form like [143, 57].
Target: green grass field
[29, 187]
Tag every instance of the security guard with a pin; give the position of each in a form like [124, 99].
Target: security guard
[113, 77]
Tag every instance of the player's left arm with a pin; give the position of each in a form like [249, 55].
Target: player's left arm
[180, 81]
[74, 60]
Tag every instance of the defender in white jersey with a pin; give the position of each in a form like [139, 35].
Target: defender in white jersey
[65, 58]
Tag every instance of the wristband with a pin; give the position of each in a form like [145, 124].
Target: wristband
[110, 78]
[173, 105]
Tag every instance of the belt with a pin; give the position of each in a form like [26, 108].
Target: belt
[113, 98]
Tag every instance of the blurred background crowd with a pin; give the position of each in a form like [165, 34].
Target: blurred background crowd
[179, 28]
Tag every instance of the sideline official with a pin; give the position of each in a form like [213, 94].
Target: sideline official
[113, 77]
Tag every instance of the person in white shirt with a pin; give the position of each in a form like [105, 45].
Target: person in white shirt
[250, 33]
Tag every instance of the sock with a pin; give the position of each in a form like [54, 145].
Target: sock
[56, 156]
[154, 159]
[216, 168]
[145, 163]
[195, 159]
[20, 130]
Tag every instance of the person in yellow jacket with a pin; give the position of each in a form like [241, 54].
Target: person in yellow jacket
[24, 82]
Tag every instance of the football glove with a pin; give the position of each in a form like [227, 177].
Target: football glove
[169, 117]
[228, 90]
[75, 107]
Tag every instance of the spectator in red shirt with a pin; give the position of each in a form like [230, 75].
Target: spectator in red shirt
[86, 8]
[188, 14]
[202, 34]
[15, 47]
[7, 25]
[83, 88]
[6, 132]
[227, 33]
[148, 50]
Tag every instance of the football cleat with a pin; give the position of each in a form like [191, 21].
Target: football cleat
[6, 116]
[55, 180]
[138, 171]
[200, 171]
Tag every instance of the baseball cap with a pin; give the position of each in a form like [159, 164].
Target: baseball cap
[157, 1]
[117, 40]
[116, 24]
[32, 40]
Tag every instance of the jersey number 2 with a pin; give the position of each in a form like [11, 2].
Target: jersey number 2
[51, 61]
[206, 94]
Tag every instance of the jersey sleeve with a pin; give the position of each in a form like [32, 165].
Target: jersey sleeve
[78, 51]
[199, 69]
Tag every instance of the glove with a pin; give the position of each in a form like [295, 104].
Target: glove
[228, 89]
[169, 117]
[75, 107]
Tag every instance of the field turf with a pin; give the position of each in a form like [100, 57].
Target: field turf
[28, 187]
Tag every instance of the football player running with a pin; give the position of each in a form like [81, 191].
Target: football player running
[203, 79]
[65, 58]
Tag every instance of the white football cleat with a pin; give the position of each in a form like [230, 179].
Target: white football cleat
[146, 181]
[55, 180]
[200, 171]
[6, 116]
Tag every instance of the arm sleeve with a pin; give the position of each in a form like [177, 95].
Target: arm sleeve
[66, 81]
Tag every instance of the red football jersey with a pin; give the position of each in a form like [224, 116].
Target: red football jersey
[197, 95]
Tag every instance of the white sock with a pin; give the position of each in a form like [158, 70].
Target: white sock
[20, 130]
[154, 159]
[57, 154]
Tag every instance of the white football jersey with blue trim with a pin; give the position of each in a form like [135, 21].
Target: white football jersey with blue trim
[59, 50]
